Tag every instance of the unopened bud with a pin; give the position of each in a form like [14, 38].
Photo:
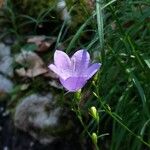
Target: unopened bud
[78, 95]
[94, 137]
[93, 82]
[96, 77]
[94, 113]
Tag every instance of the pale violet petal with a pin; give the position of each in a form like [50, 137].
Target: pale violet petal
[80, 61]
[64, 74]
[73, 84]
[92, 70]
[62, 60]
[54, 69]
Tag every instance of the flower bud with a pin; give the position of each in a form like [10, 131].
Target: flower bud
[94, 113]
[94, 138]
[78, 95]
[93, 82]
[96, 77]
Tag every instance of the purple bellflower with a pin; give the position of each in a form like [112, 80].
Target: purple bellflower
[75, 71]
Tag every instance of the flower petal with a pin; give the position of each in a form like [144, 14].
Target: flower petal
[92, 70]
[64, 74]
[80, 61]
[61, 60]
[73, 84]
[54, 69]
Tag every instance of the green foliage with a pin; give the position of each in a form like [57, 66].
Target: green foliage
[33, 8]
[123, 84]
[18, 17]
[124, 78]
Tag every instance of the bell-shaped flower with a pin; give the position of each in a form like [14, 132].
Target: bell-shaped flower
[75, 71]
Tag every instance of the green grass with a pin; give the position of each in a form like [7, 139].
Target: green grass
[123, 81]
[125, 76]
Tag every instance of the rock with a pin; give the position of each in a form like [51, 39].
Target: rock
[6, 60]
[63, 11]
[41, 42]
[6, 85]
[55, 84]
[4, 50]
[33, 64]
[40, 117]
[9, 40]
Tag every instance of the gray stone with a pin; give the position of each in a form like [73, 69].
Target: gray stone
[6, 85]
[4, 50]
[64, 13]
[39, 116]
[6, 60]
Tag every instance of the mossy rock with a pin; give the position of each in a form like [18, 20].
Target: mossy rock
[42, 118]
